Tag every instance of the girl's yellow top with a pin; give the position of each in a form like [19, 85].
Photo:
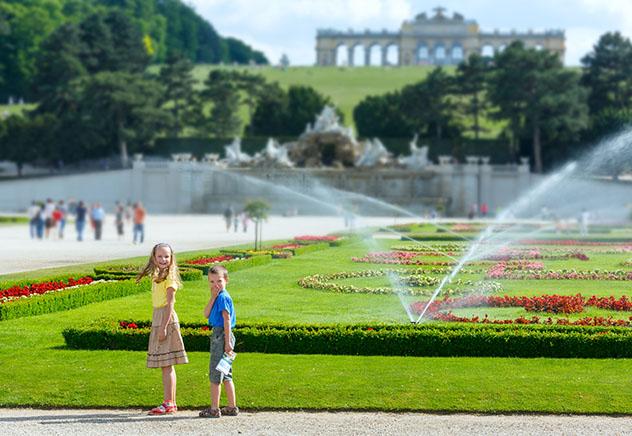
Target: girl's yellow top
[159, 291]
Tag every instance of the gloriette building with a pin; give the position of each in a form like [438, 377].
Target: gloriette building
[436, 40]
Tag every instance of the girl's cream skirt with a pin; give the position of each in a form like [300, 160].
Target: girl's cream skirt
[171, 350]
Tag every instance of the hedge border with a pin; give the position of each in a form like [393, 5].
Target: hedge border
[235, 265]
[436, 339]
[122, 272]
[66, 299]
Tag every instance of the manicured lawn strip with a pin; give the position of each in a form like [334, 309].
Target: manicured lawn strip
[487, 385]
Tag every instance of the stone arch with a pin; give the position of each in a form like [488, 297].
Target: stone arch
[374, 54]
[342, 55]
[439, 54]
[391, 56]
[423, 54]
[457, 53]
[538, 46]
[487, 50]
[357, 54]
[501, 48]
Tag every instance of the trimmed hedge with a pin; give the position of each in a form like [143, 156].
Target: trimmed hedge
[69, 298]
[304, 249]
[433, 237]
[235, 265]
[123, 272]
[436, 339]
[4, 219]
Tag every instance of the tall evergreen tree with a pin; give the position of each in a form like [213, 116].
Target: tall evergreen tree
[533, 91]
[607, 72]
[429, 105]
[220, 89]
[470, 81]
[177, 78]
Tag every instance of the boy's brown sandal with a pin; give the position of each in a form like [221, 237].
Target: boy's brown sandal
[230, 411]
[209, 412]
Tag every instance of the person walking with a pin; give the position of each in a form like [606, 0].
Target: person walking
[139, 223]
[81, 213]
[98, 216]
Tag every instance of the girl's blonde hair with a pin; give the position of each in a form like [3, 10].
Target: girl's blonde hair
[152, 270]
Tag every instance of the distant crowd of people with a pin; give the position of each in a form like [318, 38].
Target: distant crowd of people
[47, 220]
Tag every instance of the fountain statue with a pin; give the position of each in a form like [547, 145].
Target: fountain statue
[418, 157]
[325, 143]
[374, 154]
[234, 156]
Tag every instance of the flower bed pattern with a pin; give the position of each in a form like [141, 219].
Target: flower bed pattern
[557, 304]
[41, 288]
[518, 270]
[406, 278]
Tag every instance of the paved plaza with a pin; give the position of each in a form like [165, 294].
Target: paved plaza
[183, 232]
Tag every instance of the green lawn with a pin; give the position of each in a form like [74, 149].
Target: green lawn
[39, 371]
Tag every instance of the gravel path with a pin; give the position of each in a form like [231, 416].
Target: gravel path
[114, 422]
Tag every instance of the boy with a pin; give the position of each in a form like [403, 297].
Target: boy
[221, 318]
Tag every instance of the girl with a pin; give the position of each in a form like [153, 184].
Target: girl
[165, 341]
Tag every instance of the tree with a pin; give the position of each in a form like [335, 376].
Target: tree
[428, 105]
[381, 116]
[124, 109]
[268, 117]
[221, 89]
[287, 113]
[111, 42]
[177, 78]
[470, 81]
[253, 87]
[533, 91]
[58, 64]
[257, 210]
[607, 72]
[25, 140]
[26, 24]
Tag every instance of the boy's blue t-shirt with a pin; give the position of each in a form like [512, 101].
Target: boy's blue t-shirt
[223, 302]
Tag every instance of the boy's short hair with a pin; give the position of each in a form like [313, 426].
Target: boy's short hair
[219, 269]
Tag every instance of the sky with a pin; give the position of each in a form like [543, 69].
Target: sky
[289, 26]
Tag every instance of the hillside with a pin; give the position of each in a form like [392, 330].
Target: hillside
[345, 86]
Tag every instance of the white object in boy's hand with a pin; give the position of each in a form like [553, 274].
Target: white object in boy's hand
[225, 363]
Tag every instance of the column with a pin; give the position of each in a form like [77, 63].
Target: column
[350, 51]
[384, 56]
[367, 56]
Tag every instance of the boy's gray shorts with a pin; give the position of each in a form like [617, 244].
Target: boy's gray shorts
[217, 351]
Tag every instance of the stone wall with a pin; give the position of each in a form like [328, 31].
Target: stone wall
[194, 187]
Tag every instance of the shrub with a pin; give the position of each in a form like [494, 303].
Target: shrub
[436, 339]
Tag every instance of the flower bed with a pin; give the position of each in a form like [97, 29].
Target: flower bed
[70, 298]
[534, 271]
[403, 278]
[213, 259]
[408, 258]
[25, 291]
[557, 304]
[431, 339]
[311, 239]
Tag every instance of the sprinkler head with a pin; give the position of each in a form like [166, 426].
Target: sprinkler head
[412, 321]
